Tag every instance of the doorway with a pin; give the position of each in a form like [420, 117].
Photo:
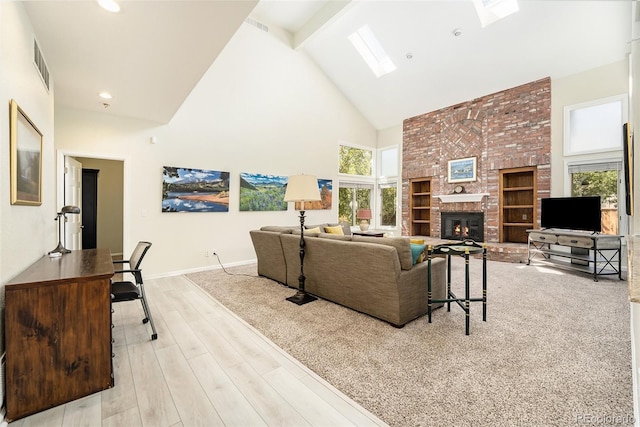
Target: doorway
[89, 208]
[109, 215]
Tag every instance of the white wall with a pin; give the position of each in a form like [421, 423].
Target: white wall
[390, 136]
[261, 108]
[27, 232]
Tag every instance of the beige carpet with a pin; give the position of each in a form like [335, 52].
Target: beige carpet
[555, 348]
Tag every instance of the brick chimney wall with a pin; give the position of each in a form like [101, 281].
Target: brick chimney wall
[504, 130]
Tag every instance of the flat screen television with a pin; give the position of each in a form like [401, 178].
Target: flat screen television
[571, 213]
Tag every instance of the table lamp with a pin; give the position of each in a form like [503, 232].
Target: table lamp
[68, 209]
[302, 188]
[364, 215]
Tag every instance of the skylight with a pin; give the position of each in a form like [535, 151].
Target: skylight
[371, 51]
[490, 11]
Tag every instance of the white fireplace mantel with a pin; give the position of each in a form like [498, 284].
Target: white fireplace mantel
[461, 198]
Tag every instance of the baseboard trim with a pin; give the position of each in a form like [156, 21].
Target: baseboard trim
[199, 269]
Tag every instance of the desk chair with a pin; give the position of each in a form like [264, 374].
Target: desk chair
[129, 291]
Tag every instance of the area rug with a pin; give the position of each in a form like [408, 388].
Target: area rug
[555, 349]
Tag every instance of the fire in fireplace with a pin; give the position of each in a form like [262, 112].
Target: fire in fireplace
[462, 225]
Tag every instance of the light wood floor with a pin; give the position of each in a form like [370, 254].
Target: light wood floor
[207, 368]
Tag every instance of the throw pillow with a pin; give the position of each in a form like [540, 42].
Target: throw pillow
[416, 251]
[312, 230]
[422, 255]
[334, 230]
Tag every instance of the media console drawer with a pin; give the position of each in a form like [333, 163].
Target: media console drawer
[542, 237]
[576, 241]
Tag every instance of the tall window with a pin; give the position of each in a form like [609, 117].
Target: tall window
[593, 143]
[355, 191]
[353, 196]
[388, 186]
[600, 179]
[388, 205]
[357, 187]
[356, 161]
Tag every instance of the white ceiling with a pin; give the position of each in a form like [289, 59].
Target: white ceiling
[149, 56]
[152, 54]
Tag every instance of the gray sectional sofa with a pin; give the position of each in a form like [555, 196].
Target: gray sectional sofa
[372, 275]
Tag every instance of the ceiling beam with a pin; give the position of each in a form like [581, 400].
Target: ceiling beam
[329, 12]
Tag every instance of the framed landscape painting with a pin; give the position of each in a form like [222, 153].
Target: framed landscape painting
[194, 190]
[260, 192]
[25, 142]
[462, 170]
[326, 194]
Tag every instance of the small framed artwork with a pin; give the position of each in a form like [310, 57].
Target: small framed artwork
[462, 170]
[25, 142]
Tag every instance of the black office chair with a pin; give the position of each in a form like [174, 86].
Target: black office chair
[129, 291]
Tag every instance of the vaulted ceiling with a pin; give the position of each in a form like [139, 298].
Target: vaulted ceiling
[152, 53]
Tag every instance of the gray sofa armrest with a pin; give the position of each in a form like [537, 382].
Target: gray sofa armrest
[268, 248]
[413, 285]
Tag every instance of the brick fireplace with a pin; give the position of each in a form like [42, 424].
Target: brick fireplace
[505, 130]
[462, 226]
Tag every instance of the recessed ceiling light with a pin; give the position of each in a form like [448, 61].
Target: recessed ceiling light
[457, 32]
[371, 51]
[105, 95]
[409, 55]
[109, 5]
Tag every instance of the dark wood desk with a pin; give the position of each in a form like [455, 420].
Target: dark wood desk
[58, 331]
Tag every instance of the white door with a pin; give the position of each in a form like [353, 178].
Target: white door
[73, 196]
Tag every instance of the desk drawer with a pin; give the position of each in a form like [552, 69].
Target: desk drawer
[543, 237]
[576, 241]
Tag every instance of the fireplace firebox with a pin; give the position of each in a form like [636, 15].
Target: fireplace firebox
[462, 226]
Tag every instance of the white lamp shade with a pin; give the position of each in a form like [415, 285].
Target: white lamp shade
[302, 188]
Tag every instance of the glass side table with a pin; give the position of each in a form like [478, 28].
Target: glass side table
[463, 249]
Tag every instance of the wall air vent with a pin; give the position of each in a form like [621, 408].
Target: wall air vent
[257, 24]
[38, 60]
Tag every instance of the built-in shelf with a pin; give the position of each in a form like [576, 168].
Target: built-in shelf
[461, 198]
[518, 198]
[420, 206]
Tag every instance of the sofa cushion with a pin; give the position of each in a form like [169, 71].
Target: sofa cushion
[402, 245]
[346, 228]
[278, 228]
[312, 230]
[335, 236]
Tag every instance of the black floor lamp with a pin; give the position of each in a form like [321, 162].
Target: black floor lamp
[302, 188]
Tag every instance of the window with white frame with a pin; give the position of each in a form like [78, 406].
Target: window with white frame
[355, 191]
[388, 186]
[360, 178]
[595, 126]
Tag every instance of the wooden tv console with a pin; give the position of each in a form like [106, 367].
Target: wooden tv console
[596, 254]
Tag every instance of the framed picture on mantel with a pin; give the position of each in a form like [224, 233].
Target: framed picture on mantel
[462, 170]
